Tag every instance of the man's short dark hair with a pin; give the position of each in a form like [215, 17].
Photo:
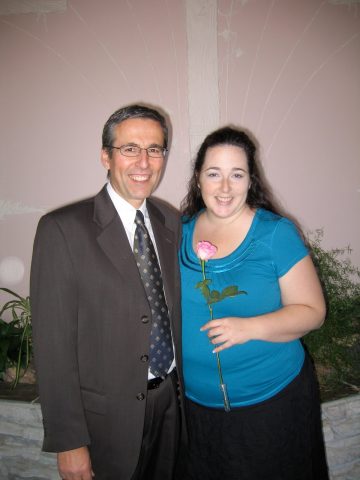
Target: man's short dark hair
[125, 113]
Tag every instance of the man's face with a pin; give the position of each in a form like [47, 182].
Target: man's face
[135, 178]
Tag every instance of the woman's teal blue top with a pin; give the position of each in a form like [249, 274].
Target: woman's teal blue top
[256, 370]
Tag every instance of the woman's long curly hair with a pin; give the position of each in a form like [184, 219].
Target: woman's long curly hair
[259, 195]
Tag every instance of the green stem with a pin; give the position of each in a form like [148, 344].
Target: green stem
[217, 353]
[223, 387]
[203, 268]
[24, 338]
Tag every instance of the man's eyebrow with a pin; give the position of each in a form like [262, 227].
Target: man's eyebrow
[133, 144]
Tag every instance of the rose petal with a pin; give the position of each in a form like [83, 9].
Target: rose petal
[205, 250]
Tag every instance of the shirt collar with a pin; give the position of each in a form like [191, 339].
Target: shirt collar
[125, 210]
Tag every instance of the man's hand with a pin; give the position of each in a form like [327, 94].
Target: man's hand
[75, 464]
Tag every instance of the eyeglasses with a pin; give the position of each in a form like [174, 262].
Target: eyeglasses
[134, 150]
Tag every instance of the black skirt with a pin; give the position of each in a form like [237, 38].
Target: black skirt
[278, 439]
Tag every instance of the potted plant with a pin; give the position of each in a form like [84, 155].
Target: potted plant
[335, 347]
[15, 337]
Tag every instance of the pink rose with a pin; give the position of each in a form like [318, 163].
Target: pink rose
[205, 250]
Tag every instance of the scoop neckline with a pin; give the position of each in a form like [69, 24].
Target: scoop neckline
[239, 250]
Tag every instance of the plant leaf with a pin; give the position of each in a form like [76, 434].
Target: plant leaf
[215, 295]
[14, 294]
[231, 291]
[203, 286]
[206, 282]
[15, 335]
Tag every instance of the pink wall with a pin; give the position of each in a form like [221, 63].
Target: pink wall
[63, 74]
[289, 71]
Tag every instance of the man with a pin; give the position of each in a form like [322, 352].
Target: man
[109, 403]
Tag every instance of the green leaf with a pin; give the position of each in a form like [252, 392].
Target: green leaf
[14, 294]
[15, 334]
[215, 295]
[203, 286]
[232, 291]
[206, 282]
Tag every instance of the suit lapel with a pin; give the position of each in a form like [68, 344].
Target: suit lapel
[114, 242]
[112, 237]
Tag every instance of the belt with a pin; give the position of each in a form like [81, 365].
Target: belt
[157, 381]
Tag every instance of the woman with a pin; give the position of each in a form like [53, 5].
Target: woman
[273, 430]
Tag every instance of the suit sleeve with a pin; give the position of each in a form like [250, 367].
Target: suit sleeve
[53, 294]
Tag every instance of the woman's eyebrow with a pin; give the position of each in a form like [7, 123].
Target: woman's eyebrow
[233, 169]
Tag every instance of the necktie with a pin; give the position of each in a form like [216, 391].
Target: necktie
[161, 349]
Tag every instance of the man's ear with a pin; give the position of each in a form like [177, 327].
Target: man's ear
[105, 159]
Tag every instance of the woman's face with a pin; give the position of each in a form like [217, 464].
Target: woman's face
[224, 180]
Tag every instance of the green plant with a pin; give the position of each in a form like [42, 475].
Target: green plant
[335, 347]
[15, 335]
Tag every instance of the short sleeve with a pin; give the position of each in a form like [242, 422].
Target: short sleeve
[288, 247]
